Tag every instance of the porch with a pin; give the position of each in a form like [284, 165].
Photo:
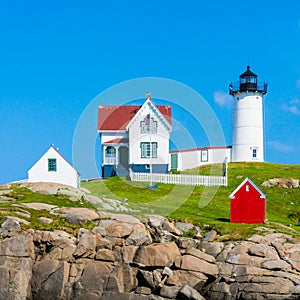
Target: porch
[115, 160]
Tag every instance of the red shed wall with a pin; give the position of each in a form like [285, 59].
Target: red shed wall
[247, 206]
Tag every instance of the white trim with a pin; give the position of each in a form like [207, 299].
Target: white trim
[262, 195]
[156, 110]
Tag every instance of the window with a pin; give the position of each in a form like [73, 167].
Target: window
[146, 150]
[254, 153]
[52, 165]
[148, 125]
[110, 151]
[204, 155]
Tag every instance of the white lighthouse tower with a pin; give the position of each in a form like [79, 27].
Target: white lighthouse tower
[248, 126]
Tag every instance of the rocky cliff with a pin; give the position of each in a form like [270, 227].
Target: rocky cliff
[122, 258]
[119, 257]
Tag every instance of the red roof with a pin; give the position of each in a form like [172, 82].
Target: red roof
[117, 117]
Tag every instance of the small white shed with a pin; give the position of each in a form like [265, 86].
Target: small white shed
[53, 167]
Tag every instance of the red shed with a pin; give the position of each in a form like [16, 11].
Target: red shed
[247, 204]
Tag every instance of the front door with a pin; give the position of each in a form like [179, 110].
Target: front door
[123, 157]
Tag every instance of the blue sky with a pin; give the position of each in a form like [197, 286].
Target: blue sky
[57, 56]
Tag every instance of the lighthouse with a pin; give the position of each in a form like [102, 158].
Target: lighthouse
[248, 120]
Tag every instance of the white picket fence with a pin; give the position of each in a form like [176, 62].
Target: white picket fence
[181, 179]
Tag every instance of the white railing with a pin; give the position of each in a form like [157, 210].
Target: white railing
[110, 160]
[181, 179]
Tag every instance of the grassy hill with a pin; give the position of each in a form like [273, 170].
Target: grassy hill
[209, 206]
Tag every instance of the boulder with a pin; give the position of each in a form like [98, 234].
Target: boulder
[77, 215]
[143, 290]
[14, 284]
[214, 249]
[200, 254]
[105, 255]
[182, 277]
[157, 255]
[122, 279]
[124, 218]
[145, 278]
[258, 250]
[169, 292]
[39, 206]
[49, 278]
[285, 183]
[115, 228]
[72, 194]
[138, 237]
[95, 276]
[267, 285]
[192, 263]
[45, 220]
[183, 243]
[20, 245]
[184, 227]
[188, 293]
[128, 253]
[156, 221]
[276, 265]
[86, 246]
[9, 226]
[168, 226]
[210, 236]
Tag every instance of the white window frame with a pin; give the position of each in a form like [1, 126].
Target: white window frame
[254, 153]
[145, 149]
[204, 155]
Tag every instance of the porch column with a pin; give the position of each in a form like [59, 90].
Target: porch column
[104, 154]
[117, 155]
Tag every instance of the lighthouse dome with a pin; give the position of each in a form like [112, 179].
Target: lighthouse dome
[248, 81]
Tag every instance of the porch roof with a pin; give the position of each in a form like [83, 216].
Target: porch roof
[117, 141]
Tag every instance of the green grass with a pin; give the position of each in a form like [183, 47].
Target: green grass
[207, 207]
[210, 205]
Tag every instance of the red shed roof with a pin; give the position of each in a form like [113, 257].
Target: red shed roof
[117, 117]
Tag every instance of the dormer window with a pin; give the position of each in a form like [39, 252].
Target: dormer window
[148, 125]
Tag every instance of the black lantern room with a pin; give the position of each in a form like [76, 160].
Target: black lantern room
[248, 83]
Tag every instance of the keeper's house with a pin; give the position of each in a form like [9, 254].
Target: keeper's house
[134, 137]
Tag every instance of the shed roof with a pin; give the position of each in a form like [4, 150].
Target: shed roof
[262, 195]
